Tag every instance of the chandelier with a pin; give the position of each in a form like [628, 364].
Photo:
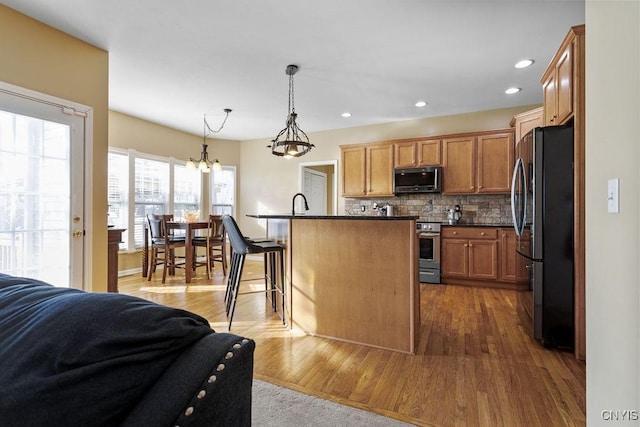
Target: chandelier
[204, 164]
[291, 141]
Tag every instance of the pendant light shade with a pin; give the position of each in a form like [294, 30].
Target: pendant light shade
[291, 141]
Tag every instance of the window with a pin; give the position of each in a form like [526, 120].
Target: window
[187, 187]
[158, 184]
[118, 193]
[223, 191]
[151, 192]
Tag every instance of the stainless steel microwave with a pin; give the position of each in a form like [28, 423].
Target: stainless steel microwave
[417, 180]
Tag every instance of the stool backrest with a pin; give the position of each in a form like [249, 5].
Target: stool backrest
[155, 226]
[237, 240]
[216, 227]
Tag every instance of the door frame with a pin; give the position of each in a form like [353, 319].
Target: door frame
[86, 112]
[334, 181]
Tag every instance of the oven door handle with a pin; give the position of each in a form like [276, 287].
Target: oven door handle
[429, 234]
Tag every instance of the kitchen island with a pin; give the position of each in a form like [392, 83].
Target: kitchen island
[351, 278]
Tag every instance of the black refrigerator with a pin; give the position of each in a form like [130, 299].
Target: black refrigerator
[542, 207]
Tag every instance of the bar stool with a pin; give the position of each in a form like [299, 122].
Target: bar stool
[241, 248]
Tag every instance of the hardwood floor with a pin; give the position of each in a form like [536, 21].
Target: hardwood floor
[475, 364]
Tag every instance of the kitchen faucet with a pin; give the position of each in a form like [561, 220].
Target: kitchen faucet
[293, 203]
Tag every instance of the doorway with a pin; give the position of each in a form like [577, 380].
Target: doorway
[42, 203]
[319, 184]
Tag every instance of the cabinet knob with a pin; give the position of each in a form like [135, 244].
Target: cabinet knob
[471, 187]
[455, 232]
[482, 234]
[470, 245]
[466, 246]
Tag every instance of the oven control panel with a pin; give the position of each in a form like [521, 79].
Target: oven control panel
[427, 227]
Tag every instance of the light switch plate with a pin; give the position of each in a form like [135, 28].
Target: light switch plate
[613, 201]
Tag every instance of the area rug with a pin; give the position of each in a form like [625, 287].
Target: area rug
[273, 405]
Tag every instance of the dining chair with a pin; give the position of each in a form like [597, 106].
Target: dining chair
[163, 245]
[215, 243]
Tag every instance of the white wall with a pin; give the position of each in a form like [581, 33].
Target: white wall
[612, 240]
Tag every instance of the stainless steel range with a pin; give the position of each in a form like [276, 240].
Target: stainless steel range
[429, 238]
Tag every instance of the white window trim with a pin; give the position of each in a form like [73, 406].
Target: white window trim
[133, 154]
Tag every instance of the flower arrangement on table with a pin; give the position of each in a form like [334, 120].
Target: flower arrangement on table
[190, 216]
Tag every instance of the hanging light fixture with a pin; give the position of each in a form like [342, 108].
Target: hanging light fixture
[204, 164]
[291, 141]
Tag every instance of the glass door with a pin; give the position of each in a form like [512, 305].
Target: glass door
[41, 191]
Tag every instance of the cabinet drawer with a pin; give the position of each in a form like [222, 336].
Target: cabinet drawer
[469, 233]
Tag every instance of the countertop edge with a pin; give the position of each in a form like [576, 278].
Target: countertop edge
[336, 217]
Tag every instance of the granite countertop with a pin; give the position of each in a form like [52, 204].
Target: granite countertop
[354, 217]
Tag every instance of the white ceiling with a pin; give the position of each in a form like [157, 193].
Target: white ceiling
[171, 62]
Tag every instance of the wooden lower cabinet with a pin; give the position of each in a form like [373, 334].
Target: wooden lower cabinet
[513, 267]
[482, 256]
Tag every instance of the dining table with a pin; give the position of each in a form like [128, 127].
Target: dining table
[190, 228]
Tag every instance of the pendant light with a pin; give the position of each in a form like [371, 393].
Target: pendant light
[204, 164]
[291, 141]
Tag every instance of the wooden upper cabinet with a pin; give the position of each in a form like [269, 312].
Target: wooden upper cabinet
[495, 162]
[549, 99]
[481, 163]
[367, 170]
[419, 153]
[459, 163]
[557, 86]
[379, 170]
[353, 171]
[429, 152]
[405, 154]
[524, 122]
[565, 85]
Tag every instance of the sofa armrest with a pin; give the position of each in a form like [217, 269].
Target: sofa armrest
[209, 384]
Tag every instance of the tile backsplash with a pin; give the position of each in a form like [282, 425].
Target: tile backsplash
[476, 209]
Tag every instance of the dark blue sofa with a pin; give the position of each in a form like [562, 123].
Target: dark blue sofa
[72, 358]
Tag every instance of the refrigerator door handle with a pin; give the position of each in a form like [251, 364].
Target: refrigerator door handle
[518, 168]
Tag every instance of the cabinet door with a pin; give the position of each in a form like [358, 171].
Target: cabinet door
[508, 256]
[404, 154]
[379, 170]
[483, 259]
[495, 163]
[564, 86]
[429, 152]
[454, 257]
[549, 99]
[353, 172]
[459, 165]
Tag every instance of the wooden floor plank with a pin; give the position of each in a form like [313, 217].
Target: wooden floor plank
[475, 364]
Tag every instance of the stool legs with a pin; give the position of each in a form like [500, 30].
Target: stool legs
[273, 274]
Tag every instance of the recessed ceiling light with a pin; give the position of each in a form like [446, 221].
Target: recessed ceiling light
[347, 114]
[524, 63]
[512, 90]
[421, 104]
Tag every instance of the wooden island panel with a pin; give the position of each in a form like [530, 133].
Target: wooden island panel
[356, 280]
